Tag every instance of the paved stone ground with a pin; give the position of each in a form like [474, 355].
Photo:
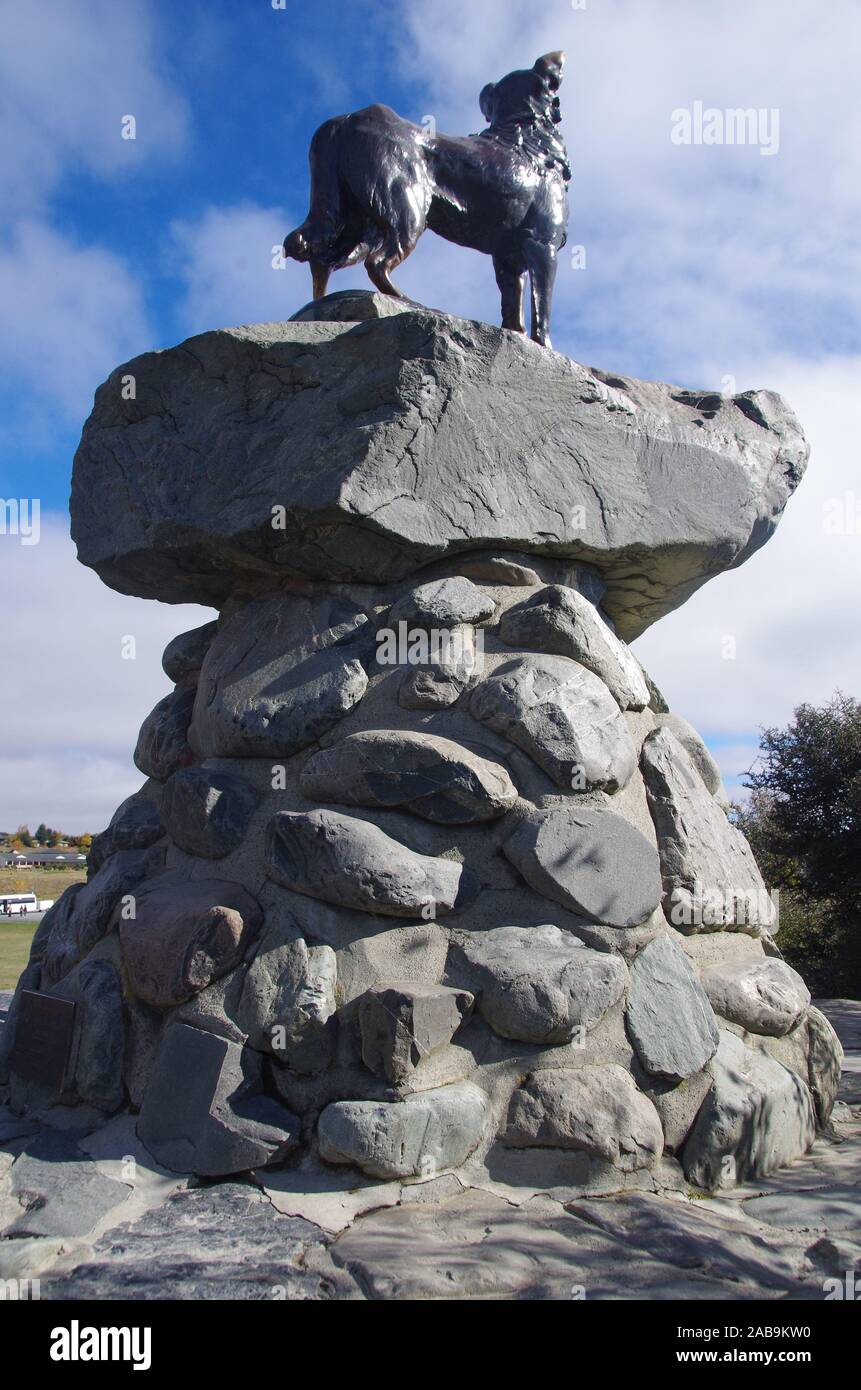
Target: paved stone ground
[93, 1217]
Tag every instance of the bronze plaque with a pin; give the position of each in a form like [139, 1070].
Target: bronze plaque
[43, 1038]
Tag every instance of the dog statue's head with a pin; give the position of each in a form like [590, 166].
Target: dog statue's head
[526, 95]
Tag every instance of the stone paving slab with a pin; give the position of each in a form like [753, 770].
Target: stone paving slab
[476, 1247]
[834, 1210]
[223, 1241]
[58, 1191]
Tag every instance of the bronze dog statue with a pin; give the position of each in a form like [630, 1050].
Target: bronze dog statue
[377, 181]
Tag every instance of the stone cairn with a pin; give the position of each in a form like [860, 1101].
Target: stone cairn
[425, 877]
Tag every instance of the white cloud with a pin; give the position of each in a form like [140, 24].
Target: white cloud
[72, 791]
[792, 609]
[68, 75]
[703, 262]
[71, 313]
[735, 760]
[70, 705]
[695, 254]
[225, 259]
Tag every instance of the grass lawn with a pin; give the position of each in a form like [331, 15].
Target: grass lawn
[15, 941]
[15, 933]
[45, 883]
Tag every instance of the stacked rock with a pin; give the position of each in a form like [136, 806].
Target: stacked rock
[424, 875]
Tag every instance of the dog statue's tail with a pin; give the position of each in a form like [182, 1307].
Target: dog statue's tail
[330, 237]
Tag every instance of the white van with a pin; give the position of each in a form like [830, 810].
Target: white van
[17, 904]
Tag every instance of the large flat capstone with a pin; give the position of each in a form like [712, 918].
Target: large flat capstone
[361, 451]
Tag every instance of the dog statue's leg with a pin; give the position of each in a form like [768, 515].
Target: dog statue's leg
[380, 264]
[541, 260]
[319, 278]
[407, 219]
[511, 279]
[378, 269]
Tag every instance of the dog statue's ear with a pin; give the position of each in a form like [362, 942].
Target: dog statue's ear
[485, 101]
[550, 68]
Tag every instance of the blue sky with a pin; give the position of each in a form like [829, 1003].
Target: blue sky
[714, 266]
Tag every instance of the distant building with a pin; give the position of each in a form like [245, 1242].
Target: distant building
[69, 858]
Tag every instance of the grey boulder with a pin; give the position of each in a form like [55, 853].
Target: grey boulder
[287, 1004]
[185, 935]
[442, 603]
[697, 752]
[711, 879]
[670, 1019]
[589, 860]
[282, 671]
[757, 1116]
[438, 684]
[561, 621]
[204, 1111]
[351, 863]
[100, 1042]
[563, 716]
[416, 1137]
[402, 1023]
[207, 813]
[537, 984]
[372, 438]
[183, 656]
[162, 746]
[762, 996]
[593, 1109]
[136, 824]
[825, 1063]
[434, 777]
[85, 912]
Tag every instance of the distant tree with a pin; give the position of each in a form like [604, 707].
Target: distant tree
[41, 836]
[810, 789]
[803, 822]
[84, 841]
[23, 834]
